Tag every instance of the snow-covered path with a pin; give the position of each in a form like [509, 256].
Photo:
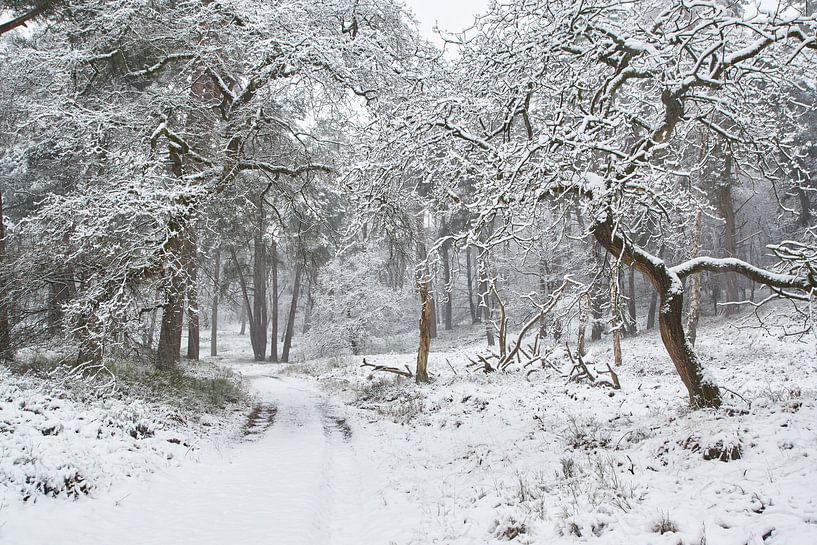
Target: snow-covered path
[301, 475]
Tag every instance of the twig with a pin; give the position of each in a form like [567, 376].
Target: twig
[385, 369]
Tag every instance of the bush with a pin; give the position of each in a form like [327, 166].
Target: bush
[355, 305]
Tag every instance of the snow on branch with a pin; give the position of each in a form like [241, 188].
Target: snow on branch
[756, 274]
[280, 169]
[148, 70]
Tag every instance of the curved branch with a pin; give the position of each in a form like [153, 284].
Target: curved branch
[756, 274]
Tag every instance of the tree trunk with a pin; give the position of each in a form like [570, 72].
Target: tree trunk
[597, 296]
[20, 21]
[543, 296]
[469, 277]
[242, 318]
[730, 238]
[434, 313]
[258, 325]
[151, 330]
[308, 308]
[426, 318]
[585, 305]
[632, 325]
[5, 285]
[214, 314]
[291, 321]
[615, 311]
[502, 333]
[694, 310]
[702, 391]
[192, 281]
[168, 352]
[806, 215]
[484, 302]
[651, 311]
[251, 315]
[447, 283]
[654, 299]
[57, 296]
[275, 303]
[597, 327]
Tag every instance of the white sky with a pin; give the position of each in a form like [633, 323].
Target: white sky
[453, 15]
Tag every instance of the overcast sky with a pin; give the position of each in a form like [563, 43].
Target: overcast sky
[447, 14]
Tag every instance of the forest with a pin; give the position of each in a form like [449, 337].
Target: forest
[291, 271]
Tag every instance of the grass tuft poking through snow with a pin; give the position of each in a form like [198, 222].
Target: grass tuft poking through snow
[536, 458]
[64, 434]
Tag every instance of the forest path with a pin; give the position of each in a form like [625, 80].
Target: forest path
[300, 474]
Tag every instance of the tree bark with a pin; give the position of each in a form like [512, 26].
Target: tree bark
[597, 327]
[694, 310]
[192, 281]
[168, 351]
[484, 303]
[426, 318]
[21, 20]
[258, 325]
[585, 305]
[434, 313]
[469, 277]
[632, 311]
[214, 312]
[251, 315]
[292, 309]
[423, 279]
[654, 299]
[615, 311]
[5, 285]
[308, 307]
[151, 333]
[242, 318]
[275, 303]
[444, 255]
[702, 391]
[730, 238]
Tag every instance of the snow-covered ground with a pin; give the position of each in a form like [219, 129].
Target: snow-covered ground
[331, 455]
[65, 437]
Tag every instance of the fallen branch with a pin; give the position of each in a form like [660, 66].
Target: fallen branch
[580, 366]
[385, 369]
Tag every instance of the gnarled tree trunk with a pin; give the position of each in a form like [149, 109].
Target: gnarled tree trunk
[702, 391]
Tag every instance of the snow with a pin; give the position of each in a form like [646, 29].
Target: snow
[300, 482]
[59, 442]
[336, 456]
